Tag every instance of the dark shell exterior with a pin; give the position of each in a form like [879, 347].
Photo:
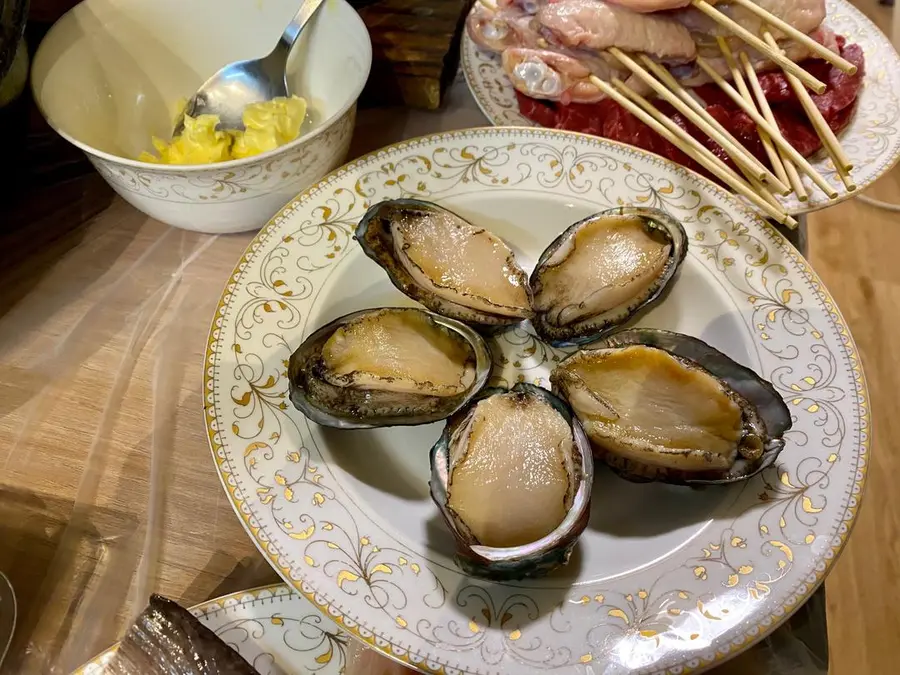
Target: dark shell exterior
[347, 408]
[596, 327]
[531, 560]
[763, 408]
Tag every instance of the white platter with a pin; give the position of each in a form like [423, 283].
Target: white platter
[871, 141]
[664, 579]
[276, 631]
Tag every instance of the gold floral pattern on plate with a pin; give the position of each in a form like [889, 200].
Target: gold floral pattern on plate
[871, 141]
[277, 631]
[722, 578]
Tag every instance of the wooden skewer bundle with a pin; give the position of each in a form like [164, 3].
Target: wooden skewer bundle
[785, 63]
[653, 118]
[787, 163]
[703, 120]
[790, 171]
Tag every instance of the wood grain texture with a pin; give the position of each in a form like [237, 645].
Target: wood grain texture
[854, 248]
[101, 352]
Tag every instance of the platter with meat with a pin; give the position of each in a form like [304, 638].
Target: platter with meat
[700, 83]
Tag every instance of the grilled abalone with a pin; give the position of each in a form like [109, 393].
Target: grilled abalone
[444, 262]
[602, 271]
[512, 477]
[663, 406]
[387, 367]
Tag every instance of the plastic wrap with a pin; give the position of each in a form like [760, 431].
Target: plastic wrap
[107, 488]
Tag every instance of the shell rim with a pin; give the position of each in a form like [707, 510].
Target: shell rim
[498, 321]
[581, 501]
[673, 229]
[774, 443]
[483, 368]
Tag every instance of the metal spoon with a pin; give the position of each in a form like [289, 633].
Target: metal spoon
[238, 84]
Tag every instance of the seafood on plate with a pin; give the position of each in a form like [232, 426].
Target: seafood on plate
[167, 639]
[446, 263]
[387, 367]
[549, 49]
[511, 475]
[663, 406]
[603, 270]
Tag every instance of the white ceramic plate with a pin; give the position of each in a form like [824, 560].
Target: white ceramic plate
[663, 579]
[276, 631]
[871, 141]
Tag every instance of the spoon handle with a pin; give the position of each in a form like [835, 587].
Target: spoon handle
[307, 9]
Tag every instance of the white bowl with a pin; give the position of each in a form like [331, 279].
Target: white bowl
[108, 73]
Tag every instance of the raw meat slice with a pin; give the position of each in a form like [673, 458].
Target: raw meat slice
[609, 120]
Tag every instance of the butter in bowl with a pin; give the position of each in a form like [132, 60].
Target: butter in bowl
[110, 74]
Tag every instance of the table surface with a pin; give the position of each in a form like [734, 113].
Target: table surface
[107, 489]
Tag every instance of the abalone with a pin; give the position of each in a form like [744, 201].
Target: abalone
[658, 405]
[451, 266]
[512, 475]
[386, 367]
[604, 270]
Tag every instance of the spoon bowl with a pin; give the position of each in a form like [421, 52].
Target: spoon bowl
[237, 85]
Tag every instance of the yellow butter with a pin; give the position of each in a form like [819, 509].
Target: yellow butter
[268, 125]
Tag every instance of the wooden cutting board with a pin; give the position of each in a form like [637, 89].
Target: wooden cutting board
[415, 46]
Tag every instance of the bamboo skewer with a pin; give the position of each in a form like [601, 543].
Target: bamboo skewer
[785, 159]
[666, 77]
[829, 140]
[776, 56]
[796, 182]
[705, 122]
[773, 132]
[762, 104]
[816, 48]
[691, 147]
[845, 177]
[774, 157]
[703, 153]
[792, 176]
[683, 94]
[695, 145]
[766, 194]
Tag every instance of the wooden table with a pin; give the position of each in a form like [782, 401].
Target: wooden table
[107, 488]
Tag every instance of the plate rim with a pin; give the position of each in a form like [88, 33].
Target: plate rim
[466, 66]
[722, 652]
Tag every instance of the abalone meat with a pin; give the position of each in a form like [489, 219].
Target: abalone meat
[449, 265]
[602, 271]
[658, 405]
[387, 367]
[511, 475]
